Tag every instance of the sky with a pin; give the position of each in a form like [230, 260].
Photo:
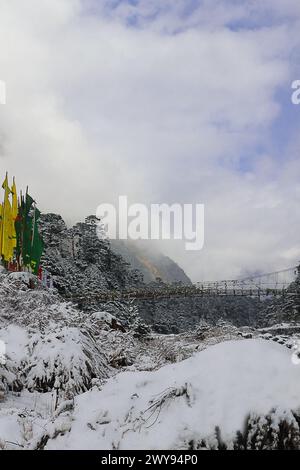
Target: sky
[166, 102]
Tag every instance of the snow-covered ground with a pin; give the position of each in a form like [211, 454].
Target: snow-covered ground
[70, 381]
[200, 402]
[185, 402]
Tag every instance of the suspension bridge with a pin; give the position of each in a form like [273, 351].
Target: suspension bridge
[273, 284]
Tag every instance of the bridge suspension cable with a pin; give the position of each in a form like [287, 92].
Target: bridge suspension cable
[276, 280]
[246, 287]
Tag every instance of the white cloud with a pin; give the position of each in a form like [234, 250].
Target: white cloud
[96, 109]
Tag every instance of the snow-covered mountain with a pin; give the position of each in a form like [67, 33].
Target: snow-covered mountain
[81, 264]
[78, 260]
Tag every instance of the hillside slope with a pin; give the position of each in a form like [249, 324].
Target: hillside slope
[79, 261]
[150, 262]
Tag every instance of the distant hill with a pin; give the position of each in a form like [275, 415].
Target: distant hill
[150, 262]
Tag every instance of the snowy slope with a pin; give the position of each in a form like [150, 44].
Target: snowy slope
[49, 344]
[69, 380]
[181, 405]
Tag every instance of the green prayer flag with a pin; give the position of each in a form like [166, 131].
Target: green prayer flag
[37, 245]
[27, 231]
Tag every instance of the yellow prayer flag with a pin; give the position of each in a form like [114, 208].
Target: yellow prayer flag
[14, 209]
[7, 245]
[1, 212]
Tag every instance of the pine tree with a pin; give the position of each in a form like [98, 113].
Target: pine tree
[135, 321]
[128, 314]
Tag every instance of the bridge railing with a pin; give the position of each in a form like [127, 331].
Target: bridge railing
[261, 286]
[191, 291]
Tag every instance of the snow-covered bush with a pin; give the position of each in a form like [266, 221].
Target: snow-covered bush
[50, 344]
[65, 360]
[202, 329]
[277, 430]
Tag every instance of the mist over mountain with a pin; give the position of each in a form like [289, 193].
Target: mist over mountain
[142, 255]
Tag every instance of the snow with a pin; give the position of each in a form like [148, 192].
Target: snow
[70, 381]
[103, 316]
[22, 276]
[9, 428]
[66, 358]
[165, 409]
[15, 339]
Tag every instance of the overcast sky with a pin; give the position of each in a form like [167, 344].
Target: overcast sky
[164, 101]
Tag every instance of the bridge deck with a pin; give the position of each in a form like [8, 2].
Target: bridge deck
[156, 294]
[275, 284]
